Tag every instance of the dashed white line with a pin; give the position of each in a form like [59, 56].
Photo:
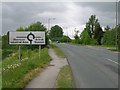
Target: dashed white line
[112, 61]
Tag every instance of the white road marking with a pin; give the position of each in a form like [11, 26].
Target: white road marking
[112, 61]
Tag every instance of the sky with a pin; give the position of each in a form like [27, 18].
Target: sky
[68, 15]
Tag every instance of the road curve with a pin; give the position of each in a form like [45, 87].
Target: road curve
[92, 67]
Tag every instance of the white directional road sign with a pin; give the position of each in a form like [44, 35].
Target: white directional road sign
[27, 38]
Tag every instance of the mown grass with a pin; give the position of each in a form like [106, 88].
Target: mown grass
[90, 45]
[0, 68]
[58, 51]
[100, 45]
[114, 50]
[64, 78]
[28, 67]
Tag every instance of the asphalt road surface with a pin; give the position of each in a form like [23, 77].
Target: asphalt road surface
[92, 67]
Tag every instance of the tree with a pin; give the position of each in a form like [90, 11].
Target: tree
[0, 42]
[77, 39]
[65, 39]
[98, 33]
[38, 26]
[76, 35]
[88, 29]
[56, 32]
[5, 44]
[107, 28]
[92, 32]
[118, 36]
[20, 29]
[86, 39]
[109, 37]
[92, 22]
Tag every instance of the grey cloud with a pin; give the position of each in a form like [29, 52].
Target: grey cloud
[119, 13]
[0, 18]
[24, 13]
[105, 11]
[66, 14]
[99, 6]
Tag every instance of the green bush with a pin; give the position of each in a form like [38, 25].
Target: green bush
[61, 39]
[109, 38]
[6, 53]
[65, 39]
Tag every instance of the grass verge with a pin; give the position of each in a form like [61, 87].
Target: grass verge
[18, 74]
[90, 45]
[58, 51]
[114, 50]
[64, 78]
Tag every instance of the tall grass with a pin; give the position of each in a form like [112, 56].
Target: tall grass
[15, 71]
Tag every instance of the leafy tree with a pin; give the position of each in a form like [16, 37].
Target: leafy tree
[86, 39]
[56, 32]
[65, 39]
[107, 28]
[4, 41]
[38, 26]
[88, 29]
[6, 47]
[91, 23]
[0, 42]
[109, 37]
[98, 33]
[20, 29]
[76, 35]
[93, 33]
[118, 36]
[112, 37]
[77, 38]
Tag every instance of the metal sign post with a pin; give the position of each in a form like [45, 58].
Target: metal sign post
[28, 54]
[39, 51]
[19, 56]
[27, 38]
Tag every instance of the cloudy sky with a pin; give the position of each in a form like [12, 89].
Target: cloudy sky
[68, 15]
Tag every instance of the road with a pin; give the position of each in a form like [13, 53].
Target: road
[92, 67]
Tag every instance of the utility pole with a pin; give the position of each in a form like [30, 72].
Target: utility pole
[116, 22]
[49, 19]
[67, 33]
[66, 28]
